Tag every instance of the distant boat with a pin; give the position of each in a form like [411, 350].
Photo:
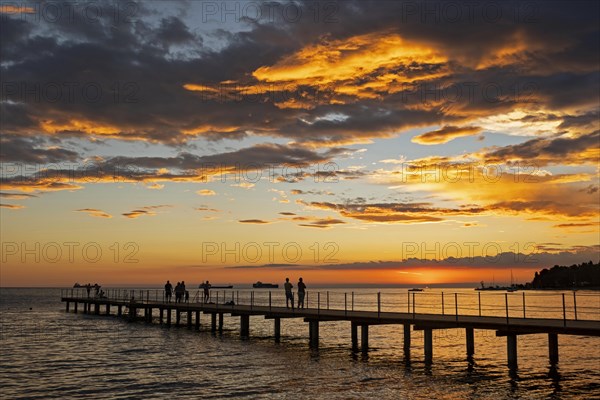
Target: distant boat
[201, 286]
[510, 288]
[260, 285]
[415, 290]
[504, 288]
[494, 288]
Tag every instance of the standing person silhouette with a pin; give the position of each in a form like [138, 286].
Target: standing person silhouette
[289, 296]
[168, 291]
[301, 293]
[206, 292]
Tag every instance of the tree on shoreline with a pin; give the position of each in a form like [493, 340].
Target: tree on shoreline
[575, 276]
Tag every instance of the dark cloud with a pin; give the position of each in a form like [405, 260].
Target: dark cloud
[17, 196]
[558, 150]
[146, 210]
[323, 223]
[253, 221]
[11, 206]
[538, 258]
[270, 158]
[394, 212]
[33, 151]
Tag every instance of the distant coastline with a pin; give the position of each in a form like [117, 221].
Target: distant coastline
[584, 276]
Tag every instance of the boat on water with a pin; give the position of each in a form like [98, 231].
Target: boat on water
[260, 285]
[201, 286]
[511, 288]
[415, 290]
[494, 288]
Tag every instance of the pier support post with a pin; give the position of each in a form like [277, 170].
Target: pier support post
[406, 339]
[553, 347]
[107, 308]
[197, 320]
[220, 322]
[313, 333]
[161, 315]
[189, 319]
[470, 334]
[85, 308]
[277, 327]
[149, 316]
[75, 307]
[132, 312]
[244, 326]
[67, 310]
[119, 310]
[354, 335]
[364, 338]
[177, 317]
[428, 344]
[168, 310]
[96, 308]
[511, 349]
[213, 322]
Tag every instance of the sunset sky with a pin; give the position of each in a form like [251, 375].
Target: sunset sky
[346, 142]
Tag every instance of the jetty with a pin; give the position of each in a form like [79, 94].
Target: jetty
[508, 321]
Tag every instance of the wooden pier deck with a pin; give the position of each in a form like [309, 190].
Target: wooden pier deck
[510, 327]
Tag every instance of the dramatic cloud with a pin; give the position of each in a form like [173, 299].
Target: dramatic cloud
[378, 71]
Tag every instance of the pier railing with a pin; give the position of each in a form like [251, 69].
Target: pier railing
[556, 305]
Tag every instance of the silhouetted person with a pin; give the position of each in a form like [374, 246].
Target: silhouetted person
[88, 287]
[301, 293]
[289, 296]
[206, 292]
[168, 291]
[178, 292]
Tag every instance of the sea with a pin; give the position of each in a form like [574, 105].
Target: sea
[48, 353]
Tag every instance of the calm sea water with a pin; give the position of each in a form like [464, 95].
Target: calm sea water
[47, 353]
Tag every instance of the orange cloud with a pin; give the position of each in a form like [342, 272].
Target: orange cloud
[92, 212]
[12, 9]
[147, 210]
[11, 206]
[446, 134]
[355, 58]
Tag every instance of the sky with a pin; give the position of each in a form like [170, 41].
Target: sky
[347, 142]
